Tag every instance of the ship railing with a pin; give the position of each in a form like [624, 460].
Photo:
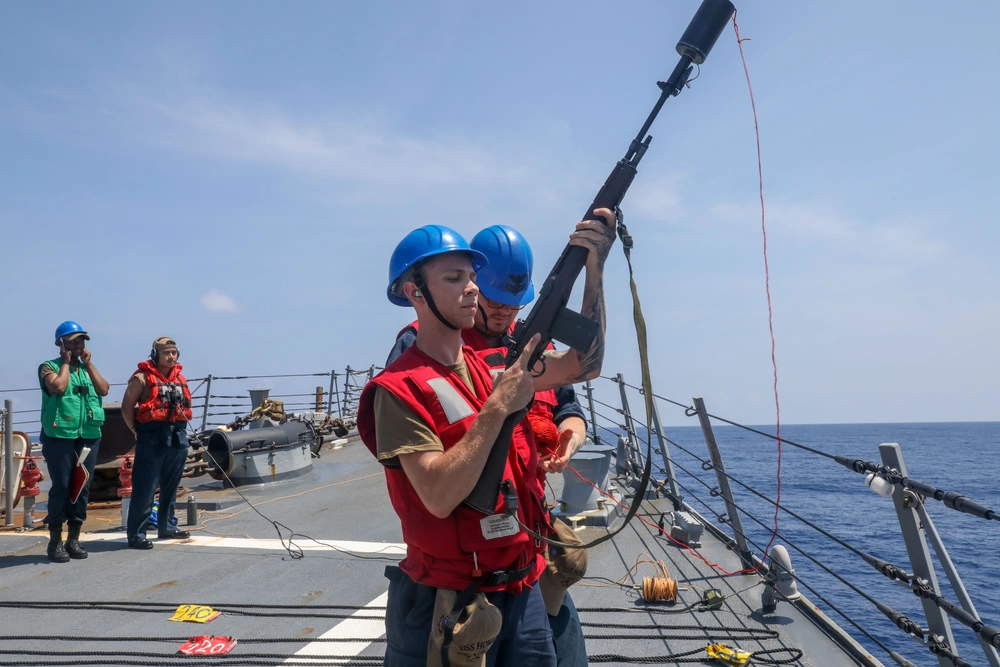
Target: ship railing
[218, 399]
[613, 420]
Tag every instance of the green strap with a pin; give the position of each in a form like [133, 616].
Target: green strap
[647, 391]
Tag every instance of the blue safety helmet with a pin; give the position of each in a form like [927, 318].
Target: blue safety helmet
[70, 327]
[419, 245]
[507, 276]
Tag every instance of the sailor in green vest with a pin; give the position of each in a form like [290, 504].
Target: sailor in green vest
[72, 416]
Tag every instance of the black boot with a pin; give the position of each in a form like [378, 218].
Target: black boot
[57, 553]
[73, 546]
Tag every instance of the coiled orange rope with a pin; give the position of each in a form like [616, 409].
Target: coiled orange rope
[659, 588]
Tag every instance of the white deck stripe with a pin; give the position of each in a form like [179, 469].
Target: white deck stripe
[382, 548]
[349, 627]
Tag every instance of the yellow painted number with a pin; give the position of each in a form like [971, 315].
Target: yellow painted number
[194, 613]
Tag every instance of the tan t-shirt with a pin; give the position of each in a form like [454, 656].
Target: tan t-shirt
[398, 430]
[140, 378]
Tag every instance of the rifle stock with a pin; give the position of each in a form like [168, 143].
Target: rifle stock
[549, 316]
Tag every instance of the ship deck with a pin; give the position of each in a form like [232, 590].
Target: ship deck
[348, 533]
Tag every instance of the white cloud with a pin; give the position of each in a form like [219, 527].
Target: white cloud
[828, 225]
[352, 149]
[217, 302]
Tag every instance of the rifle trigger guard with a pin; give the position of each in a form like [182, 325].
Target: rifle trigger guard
[541, 372]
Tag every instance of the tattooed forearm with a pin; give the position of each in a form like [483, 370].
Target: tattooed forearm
[593, 307]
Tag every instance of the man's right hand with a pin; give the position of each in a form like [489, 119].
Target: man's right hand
[65, 354]
[516, 386]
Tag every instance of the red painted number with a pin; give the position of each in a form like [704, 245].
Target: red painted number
[207, 645]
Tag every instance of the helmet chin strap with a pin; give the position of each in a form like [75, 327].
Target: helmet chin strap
[419, 281]
[485, 331]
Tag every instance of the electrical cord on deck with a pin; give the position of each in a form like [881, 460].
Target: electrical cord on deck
[294, 551]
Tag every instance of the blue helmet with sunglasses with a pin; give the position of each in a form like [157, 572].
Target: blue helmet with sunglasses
[506, 278]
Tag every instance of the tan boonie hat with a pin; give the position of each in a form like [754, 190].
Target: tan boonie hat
[565, 567]
[473, 631]
[164, 342]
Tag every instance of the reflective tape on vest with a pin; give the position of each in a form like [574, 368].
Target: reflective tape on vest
[455, 407]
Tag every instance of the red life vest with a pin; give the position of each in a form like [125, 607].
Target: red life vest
[157, 407]
[444, 552]
[545, 401]
[541, 411]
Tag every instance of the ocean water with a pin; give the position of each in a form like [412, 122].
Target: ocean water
[958, 457]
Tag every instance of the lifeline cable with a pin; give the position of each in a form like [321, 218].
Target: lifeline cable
[951, 499]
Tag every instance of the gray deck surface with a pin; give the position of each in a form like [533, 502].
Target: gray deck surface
[326, 505]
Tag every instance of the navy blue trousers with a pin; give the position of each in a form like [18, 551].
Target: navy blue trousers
[525, 637]
[60, 459]
[571, 650]
[159, 461]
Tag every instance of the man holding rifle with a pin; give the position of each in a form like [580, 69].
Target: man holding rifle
[556, 418]
[466, 593]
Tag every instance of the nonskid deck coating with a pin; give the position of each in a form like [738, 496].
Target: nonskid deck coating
[344, 498]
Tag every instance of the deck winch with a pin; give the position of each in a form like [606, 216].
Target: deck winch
[259, 455]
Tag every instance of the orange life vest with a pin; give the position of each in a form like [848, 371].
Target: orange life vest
[169, 397]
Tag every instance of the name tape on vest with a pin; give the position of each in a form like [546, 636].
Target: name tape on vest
[499, 525]
[455, 407]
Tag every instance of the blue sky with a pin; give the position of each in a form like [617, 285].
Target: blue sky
[236, 174]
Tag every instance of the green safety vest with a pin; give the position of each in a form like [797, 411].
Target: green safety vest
[76, 413]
